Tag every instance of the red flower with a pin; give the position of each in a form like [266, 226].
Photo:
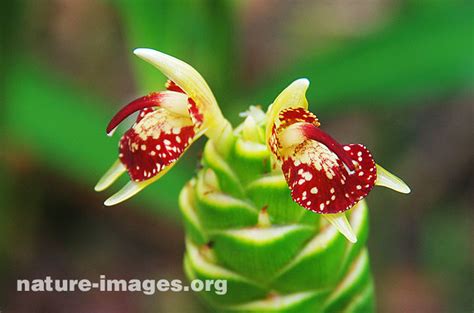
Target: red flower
[162, 132]
[323, 175]
[167, 123]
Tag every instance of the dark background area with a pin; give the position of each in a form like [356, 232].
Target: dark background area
[394, 75]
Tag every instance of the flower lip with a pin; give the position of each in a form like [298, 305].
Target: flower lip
[158, 139]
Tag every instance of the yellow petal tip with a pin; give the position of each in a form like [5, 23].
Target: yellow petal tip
[112, 174]
[145, 52]
[302, 83]
[341, 223]
[387, 179]
[128, 191]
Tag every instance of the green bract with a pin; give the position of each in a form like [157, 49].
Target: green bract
[244, 212]
[242, 225]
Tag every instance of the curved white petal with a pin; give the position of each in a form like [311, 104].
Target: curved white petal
[128, 191]
[132, 188]
[110, 176]
[340, 221]
[183, 74]
[387, 179]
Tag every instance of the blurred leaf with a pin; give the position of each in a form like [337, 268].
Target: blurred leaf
[421, 55]
[446, 248]
[199, 32]
[64, 128]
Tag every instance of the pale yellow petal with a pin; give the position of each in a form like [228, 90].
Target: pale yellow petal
[132, 188]
[110, 176]
[186, 77]
[387, 179]
[340, 221]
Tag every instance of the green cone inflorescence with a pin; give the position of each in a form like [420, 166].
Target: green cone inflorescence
[243, 226]
[277, 208]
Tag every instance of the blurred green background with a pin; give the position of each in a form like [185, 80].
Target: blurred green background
[394, 75]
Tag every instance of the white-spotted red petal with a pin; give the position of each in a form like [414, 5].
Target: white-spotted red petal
[158, 138]
[321, 182]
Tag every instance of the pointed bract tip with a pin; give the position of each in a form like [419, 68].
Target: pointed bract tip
[387, 179]
[341, 223]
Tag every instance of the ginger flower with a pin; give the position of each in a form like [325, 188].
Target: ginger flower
[168, 122]
[323, 175]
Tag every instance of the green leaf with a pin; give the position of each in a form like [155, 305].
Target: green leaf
[418, 56]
